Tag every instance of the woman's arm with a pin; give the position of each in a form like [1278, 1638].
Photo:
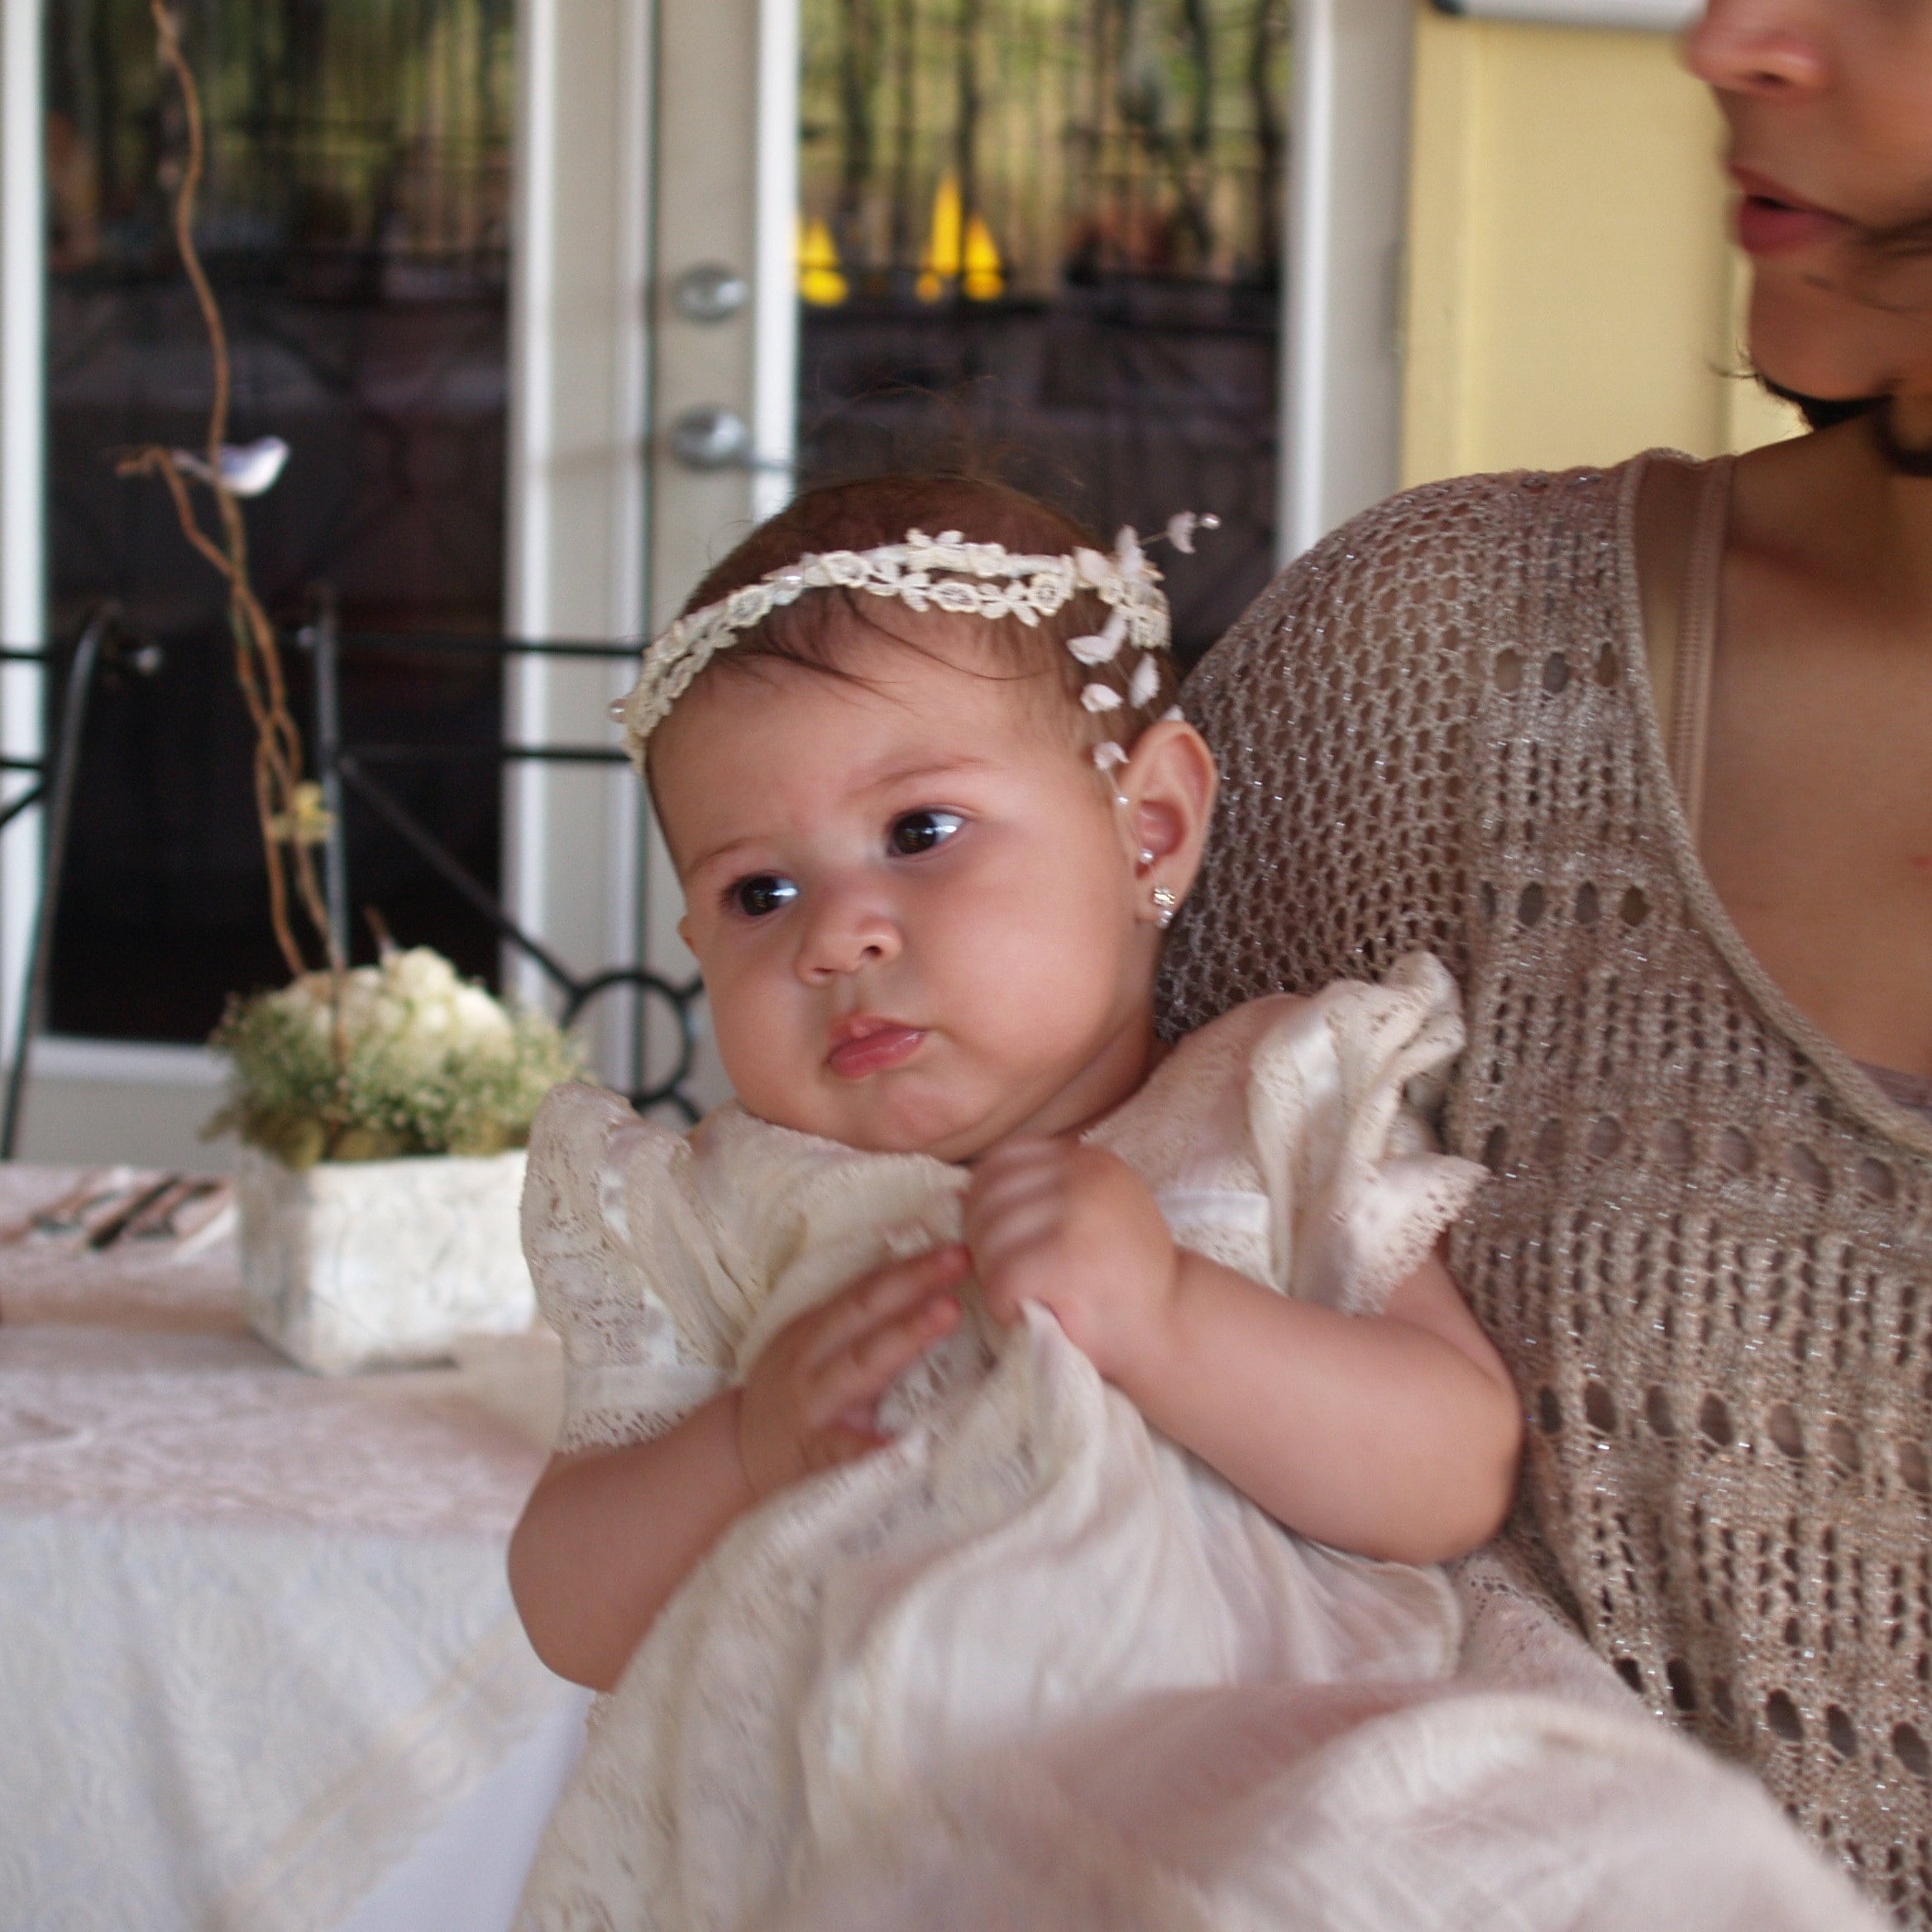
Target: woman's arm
[1394, 1435]
[608, 1535]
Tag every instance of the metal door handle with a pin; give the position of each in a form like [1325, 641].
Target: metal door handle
[711, 291]
[708, 438]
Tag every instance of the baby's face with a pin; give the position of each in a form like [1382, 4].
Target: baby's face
[911, 896]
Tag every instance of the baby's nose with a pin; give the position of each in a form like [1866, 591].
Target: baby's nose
[853, 931]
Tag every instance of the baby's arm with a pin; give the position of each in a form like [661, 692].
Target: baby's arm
[1394, 1435]
[609, 1534]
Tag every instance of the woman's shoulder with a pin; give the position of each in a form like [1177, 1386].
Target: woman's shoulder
[1351, 710]
[1448, 516]
[1428, 569]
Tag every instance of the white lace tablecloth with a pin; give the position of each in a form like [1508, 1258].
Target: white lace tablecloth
[255, 1641]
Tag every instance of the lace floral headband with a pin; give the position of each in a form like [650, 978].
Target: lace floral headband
[937, 573]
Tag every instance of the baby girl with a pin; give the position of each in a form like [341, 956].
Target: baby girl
[1003, 1454]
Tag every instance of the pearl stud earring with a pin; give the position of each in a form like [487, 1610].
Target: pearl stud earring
[1165, 900]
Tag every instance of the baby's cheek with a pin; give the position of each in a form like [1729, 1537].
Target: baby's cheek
[1041, 989]
[764, 1058]
[1035, 1020]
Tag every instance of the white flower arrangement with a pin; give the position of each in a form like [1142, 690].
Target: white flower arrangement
[403, 1058]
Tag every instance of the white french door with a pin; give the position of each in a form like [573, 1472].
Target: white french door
[653, 303]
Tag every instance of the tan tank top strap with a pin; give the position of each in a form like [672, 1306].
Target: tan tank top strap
[1697, 639]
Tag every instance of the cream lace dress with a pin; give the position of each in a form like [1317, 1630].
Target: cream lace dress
[1033, 1664]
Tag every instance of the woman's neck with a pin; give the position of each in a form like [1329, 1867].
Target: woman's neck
[1816, 832]
[1831, 507]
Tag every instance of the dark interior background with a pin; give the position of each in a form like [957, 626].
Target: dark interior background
[353, 226]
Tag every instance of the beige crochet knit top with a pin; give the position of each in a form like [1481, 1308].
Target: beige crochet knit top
[1705, 1250]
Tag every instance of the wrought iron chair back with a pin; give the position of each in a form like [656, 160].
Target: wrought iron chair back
[344, 768]
[54, 775]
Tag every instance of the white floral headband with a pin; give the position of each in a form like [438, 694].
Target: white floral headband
[941, 573]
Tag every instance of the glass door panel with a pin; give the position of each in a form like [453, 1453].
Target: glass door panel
[354, 223]
[1043, 238]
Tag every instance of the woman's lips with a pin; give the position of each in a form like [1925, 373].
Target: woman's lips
[1772, 221]
[863, 1046]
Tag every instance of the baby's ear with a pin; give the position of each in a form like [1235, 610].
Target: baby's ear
[1170, 782]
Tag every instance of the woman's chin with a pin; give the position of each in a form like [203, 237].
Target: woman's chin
[1810, 338]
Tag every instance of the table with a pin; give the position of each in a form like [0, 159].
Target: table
[259, 1667]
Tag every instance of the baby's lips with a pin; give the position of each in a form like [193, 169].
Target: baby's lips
[873, 1051]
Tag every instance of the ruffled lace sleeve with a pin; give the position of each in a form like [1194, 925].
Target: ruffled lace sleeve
[615, 1245]
[1357, 1192]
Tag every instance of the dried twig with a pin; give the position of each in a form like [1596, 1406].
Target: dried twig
[291, 824]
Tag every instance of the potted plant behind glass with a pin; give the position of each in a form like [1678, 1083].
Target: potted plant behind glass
[357, 1252]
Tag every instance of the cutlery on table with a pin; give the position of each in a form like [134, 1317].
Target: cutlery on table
[162, 1220]
[69, 1212]
[106, 1233]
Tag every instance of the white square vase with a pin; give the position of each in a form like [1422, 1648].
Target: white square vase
[379, 1264]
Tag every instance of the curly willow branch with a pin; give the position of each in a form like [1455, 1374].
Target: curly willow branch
[258, 662]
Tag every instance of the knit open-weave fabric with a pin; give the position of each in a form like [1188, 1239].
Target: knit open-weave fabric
[1706, 1248]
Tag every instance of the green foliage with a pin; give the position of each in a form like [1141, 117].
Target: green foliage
[1093, 136]
[383, 125]
[408, 1060]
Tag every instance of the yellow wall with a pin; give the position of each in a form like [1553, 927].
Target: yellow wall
[1571, 297]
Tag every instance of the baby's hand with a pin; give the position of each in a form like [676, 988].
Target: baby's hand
[1075, 1229]
[812, 1396]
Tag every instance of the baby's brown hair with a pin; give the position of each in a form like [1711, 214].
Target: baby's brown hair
[874, 511]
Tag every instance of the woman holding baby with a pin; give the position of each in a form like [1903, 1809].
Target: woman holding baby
[1647, 758]
[1076, 1563]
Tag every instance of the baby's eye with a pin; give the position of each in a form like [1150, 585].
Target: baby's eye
[922, 831]
[767, 891]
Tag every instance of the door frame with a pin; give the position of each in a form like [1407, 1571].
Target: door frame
[1347, 221]
[576, 496]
